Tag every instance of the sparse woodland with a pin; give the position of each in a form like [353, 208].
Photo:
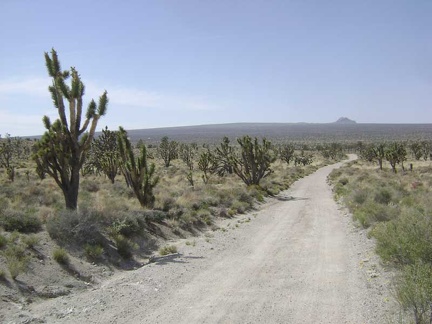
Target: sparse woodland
[102, 198]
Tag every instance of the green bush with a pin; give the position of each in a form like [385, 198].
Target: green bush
[405, 239]
[127, 226]
[124, 246]
[414, 291]
[155, 215]
[30, 240]
[383, 196]
[3, 241]
[81, 227]
[60, 256]
[16, 259]
[17, 220]
[169, 249]
[93, 252]
[17, 266]
[359, 196]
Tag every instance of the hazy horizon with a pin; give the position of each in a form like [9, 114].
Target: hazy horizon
[174, 64]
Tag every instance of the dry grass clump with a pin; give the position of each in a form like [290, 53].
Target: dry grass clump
[169, 249]
[61, 256]
[15, 255]
[93, 251]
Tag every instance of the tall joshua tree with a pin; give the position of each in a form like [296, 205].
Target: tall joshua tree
[63, 148]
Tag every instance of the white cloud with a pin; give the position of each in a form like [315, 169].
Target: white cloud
[139, 98]
[21, 100]
[30, 86]
[120, 96]
[19, 124]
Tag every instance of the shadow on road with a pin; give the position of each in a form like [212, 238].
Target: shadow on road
[172, 258]
[290, 198]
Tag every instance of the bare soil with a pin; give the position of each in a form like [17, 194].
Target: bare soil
[297, 259]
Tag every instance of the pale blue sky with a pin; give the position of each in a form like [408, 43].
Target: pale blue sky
[189, 62]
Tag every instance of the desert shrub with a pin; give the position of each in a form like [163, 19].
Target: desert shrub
[176, 213]
[16, 259]
[187, 218]
[71, 226]
[335, 174]
[169, 249]
[256, 193]
[154, 215]
[14, 237]
[14, 251]
[128, 225]
[44, 213]
[383, 196]
[4, 204]
[359, 196]
[406, 238]
[30, 240]
[414, 291]
[340, 190]
[125, 247]
[90, 186]
[51, 199]
[343, 181]
[16, 266]
[3, 241]
[166, 203]
[239, 207]
[371, 213]
[210, 200]
[60, 256]
[206, 217]
[93, 251]
[21, 221]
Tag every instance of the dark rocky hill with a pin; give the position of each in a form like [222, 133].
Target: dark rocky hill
[345, 120]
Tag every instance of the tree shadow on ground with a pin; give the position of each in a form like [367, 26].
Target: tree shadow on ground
[290, 198]
[172, 258]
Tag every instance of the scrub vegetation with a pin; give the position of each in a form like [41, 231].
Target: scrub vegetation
[388, 192]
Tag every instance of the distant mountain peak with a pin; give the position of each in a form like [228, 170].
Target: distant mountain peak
[345, 120]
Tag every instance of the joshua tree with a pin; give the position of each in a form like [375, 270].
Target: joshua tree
[396, 153]
[416, 150]
[168, 150]
[187, 153]
[303, 159]
[138, 173]
[222, 163]
[286, 153]
[11, 151]
[104, 154]
[331, 151]
[63, 148]
[253, 161]
[206, 163]
[426, 149]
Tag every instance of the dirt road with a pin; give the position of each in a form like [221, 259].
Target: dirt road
[298, 259]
